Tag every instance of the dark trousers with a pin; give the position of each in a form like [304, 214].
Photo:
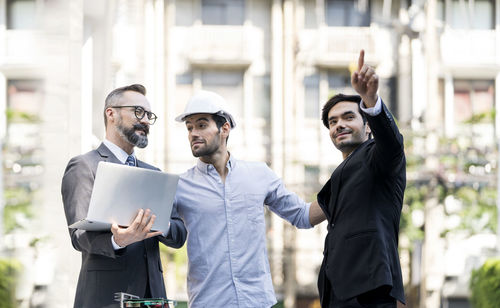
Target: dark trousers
[377, 298]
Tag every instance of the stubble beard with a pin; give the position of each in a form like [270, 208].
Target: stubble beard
[347, 146]
[208, 150]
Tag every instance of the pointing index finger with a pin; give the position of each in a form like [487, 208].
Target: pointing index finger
[361, 59]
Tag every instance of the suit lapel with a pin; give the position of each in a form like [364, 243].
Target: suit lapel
[336, 181]
[142, 164]
[107, 155]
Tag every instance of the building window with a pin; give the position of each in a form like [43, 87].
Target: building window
[474, 101]
[223, 12]
[339, 81]
[347, 13]
[21, 14]
[311, 97]
[310, 20]
[228, 84]
[183, 91]
[262, 96]
[311, 178]
[477, 14]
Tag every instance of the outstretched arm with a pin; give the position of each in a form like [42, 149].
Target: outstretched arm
[316, 214]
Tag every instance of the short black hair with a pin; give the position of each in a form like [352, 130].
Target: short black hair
[219, 121]
[337, 99]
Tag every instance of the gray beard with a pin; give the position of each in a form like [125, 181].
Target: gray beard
[129, 134]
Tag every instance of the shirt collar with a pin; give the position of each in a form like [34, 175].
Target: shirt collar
[117, 151]
[204, 167]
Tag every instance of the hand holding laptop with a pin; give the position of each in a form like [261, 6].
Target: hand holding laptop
[139, 230]
[118, 194]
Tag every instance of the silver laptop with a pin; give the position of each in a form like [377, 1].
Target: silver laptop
[120, 191]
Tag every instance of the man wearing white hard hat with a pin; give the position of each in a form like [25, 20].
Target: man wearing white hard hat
[221, 201]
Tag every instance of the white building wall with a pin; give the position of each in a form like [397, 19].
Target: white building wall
[88, 47]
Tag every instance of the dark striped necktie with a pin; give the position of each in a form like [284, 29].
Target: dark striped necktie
[130, 161]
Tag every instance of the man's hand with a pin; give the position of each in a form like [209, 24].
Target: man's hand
[137, 231]
[365, 82]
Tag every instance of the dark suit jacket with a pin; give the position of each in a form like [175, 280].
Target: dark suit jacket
[362, 202]
[105, 271]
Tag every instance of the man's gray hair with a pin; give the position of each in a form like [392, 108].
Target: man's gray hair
[115, 95]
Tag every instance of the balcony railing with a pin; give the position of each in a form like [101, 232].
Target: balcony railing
[22, 46]
[469, 47]
[225, 44]
[339, 45]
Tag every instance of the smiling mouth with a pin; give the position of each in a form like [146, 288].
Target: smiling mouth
[342, 134]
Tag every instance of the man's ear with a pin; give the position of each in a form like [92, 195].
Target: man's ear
[225, 129]
[110, 114]
[368, 130]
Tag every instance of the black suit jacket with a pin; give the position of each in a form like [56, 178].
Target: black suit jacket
[105, 271]
[362, 202]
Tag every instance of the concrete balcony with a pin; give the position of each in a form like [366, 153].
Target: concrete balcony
[231, 46]
[21, 46]
[339, 46]
[462, 49]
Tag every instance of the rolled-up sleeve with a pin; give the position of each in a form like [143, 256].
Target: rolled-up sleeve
[285, 203]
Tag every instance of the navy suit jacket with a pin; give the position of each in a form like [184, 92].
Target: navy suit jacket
[363, 201]
[105, 271]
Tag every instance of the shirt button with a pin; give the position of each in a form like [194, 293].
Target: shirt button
[332, 224]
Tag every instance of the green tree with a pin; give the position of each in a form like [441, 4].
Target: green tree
[485, 285]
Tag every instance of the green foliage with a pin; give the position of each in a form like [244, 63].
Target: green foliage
[483, 117]
[178, 257]
[479, 212]
[462, 169]
[17, 202]
[9, 270]
[20, 116]
[485, 285]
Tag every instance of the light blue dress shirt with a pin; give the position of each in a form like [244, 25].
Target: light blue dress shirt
[226, 242]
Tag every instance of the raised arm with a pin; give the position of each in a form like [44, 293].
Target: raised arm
[389, 149]
[365, 82]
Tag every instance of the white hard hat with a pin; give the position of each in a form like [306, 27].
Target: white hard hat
[206, 102]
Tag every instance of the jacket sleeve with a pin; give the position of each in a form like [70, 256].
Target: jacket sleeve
[388, 151]
[176, 236]
[76, 189]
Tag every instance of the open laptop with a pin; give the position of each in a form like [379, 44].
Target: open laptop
[120, 191]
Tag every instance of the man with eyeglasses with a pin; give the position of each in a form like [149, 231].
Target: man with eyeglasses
[121, 259]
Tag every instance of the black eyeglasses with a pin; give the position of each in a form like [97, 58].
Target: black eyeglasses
[140, 113]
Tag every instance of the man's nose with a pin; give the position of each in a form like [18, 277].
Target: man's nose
[193, 133]
[339, 125]
[144, 120]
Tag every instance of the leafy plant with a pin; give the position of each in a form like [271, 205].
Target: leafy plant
[9, 270]
[485, 285]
